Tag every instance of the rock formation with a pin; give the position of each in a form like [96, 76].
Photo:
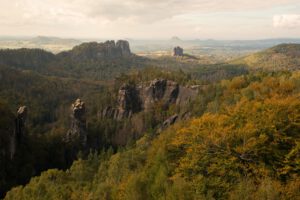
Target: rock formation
[12, 130]
[160, 90]
[20, 123]
[95, 51]
[129, 102]
[137, 102]
[133, 99]
[77, 132]
[124, 46]
[178, 51]
[19, 131]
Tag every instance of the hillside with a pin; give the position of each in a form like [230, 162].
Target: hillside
[246, 144]
[47, 100]
[103, 107]
[96, 61]
[281, 57]
[25, 87]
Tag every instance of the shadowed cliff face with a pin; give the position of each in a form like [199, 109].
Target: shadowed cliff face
[160, 90]
[12, 152]
[12, 130]
[129, 102]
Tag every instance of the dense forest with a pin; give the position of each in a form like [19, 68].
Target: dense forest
[245, 144]
[167, 128]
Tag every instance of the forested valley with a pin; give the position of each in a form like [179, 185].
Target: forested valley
[99, 122]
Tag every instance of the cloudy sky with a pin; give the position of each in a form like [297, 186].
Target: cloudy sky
[151, 19]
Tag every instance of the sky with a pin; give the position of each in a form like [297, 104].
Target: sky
[151, 19]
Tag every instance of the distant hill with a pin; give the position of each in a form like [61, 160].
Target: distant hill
[54, 40]
[280, 57]
[53, 44]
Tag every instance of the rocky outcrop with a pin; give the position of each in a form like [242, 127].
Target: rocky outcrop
[129, 102]
[178, 51]
[160, 90]
[133, 99]
[12, 131]
[20, 123]
[124, 46]
[138, 106]
[95, 51]
[19, 130]
[77, 132]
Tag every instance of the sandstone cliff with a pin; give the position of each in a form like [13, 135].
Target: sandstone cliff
[12, 130]
[95, 51]
[134, 99]
[77, 133]
[136, 102]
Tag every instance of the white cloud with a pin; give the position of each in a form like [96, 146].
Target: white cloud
[139, 10]
[132, 17]
[286, 21]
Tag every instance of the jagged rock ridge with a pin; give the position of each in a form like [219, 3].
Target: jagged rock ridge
[107, 50]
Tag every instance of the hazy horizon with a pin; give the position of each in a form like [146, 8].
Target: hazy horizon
[145, 19]
[141, 38]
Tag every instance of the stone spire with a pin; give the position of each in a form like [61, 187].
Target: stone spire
[77, 131]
